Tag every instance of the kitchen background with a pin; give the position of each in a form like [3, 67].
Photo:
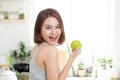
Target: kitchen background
[96, 23]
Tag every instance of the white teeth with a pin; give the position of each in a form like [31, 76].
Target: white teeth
[53, 37]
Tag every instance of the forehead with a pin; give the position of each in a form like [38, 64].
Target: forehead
[50, 20]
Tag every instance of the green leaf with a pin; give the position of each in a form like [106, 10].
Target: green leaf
[9, 60]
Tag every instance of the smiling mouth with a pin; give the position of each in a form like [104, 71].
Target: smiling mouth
[53, 38]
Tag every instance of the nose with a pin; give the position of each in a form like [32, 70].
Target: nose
[53, 31]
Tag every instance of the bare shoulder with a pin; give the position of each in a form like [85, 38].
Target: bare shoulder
[49, 50]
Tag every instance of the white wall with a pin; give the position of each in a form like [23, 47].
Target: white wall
[117, 30]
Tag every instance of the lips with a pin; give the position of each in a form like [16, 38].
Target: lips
[53, 38]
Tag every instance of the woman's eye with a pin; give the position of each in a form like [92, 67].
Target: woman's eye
[47, 27]
[57, 26]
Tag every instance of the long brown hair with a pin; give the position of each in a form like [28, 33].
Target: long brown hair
[40, 20]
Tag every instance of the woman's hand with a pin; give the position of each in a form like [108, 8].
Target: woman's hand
[75, 53]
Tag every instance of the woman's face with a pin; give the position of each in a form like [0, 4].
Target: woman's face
[51, 30]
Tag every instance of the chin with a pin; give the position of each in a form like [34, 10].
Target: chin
[53, 43]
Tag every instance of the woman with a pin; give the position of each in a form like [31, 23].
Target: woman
[49, 32]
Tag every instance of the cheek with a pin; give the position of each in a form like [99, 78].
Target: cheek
[60, 32]
[46, 33]
[43, 33]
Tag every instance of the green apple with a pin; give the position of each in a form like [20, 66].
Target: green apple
[75, 44]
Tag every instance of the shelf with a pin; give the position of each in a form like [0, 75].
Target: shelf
[12, 10]
[80, 78]
[12, 20]
[86, 78]
[12, 0]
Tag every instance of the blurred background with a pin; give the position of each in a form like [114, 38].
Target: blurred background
[95, 23]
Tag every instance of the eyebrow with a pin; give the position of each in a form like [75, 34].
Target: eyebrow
[47, 25]
[51, 25]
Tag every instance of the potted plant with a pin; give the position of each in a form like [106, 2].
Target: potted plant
[105, 62]
[105, 67]
[81, 70]
[21, 56]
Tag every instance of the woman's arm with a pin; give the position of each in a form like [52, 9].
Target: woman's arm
[51, 64]
[64, 72]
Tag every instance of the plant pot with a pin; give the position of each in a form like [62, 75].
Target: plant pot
[21, 67]
[81, 73]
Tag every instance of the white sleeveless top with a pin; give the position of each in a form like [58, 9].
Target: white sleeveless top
[36, 73]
